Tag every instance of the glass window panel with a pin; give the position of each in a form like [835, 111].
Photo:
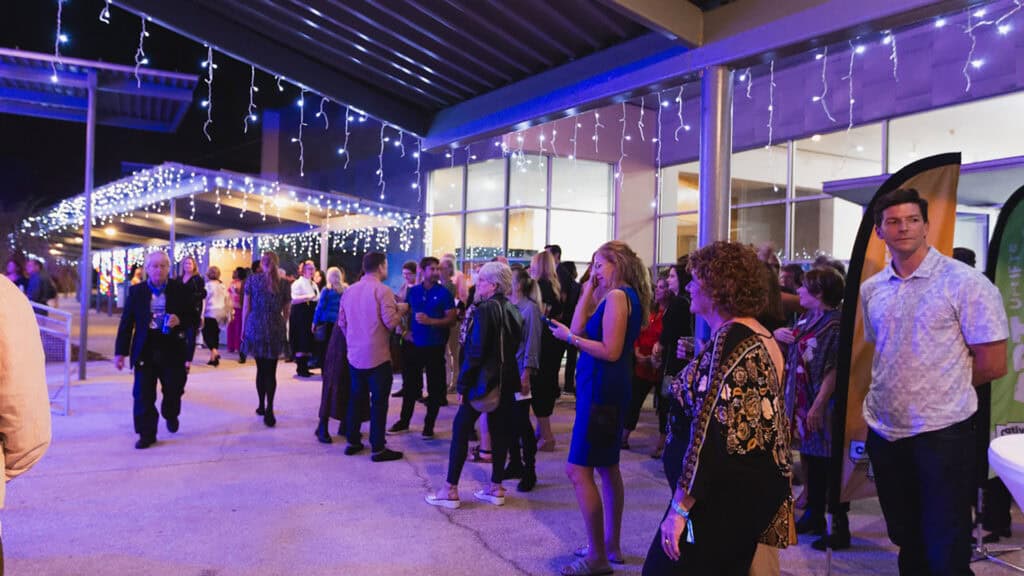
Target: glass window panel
[579, 234]
[581, 185]
[826, 227]
[485, 235]
[837, 156]
[445, 235]
[678, 236]
[971, 231]
[680, 188]
[982, 130]
[759, 224]
[486, 184]
[759, 175]
[528, 182]
[527, 229]
[444, 190]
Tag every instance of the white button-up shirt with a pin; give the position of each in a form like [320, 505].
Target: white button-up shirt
[922, 326]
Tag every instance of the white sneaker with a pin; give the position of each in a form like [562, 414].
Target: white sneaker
[484, 496]
[443, 502]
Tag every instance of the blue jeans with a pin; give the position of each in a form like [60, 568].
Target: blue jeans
[378, 381]
[925, 486]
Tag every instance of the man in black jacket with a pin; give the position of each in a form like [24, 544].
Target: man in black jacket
[152, 328]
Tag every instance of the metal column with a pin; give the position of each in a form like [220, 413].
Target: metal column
[85, 267]
[715, 154]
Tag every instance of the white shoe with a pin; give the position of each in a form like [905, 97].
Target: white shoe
[484, 496]
[443, 502]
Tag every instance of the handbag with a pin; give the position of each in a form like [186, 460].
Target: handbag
[490, 399]
[322, 332]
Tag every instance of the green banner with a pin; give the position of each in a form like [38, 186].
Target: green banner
[1006, 270]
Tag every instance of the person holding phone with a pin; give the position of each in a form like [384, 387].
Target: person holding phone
[605, 326]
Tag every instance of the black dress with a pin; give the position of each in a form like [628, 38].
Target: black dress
[196, 287]
[545, 390]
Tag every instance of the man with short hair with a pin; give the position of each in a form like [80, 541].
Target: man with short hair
[939, 327]
[556, 252]
[152, 334]
[433, 313]
[410, 272]
[367, 316]
[40, 288]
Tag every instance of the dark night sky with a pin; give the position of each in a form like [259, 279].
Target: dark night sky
[43, 160]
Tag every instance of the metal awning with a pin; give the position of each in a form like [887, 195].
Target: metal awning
[43, 86]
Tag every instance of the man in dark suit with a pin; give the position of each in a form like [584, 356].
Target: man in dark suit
[153, 330]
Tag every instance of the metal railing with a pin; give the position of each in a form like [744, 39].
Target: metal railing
[55, 334]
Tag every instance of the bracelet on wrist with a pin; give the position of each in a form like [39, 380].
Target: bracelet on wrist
[686, 516]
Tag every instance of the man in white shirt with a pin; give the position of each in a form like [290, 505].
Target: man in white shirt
[939, 329]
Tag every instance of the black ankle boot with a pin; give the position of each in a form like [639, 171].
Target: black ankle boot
[322, 434]
[302, 366]
[840, 538]
[810, 523]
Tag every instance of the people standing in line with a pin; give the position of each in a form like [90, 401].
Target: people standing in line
[217, 311]
[566, 272]
[939, 328]
[16, 272]
[265, 310]
[300, 322]
[24, 402]
[432, 310]
[646, 374]
[451, 349]
[605, 326]
[677, 324]
[368, 315]
[236, 292]
[196, 286]
[488, 360]
[734, 489]
[812, 354]
[522, 454]
[545, 386]
[324, 319]
[152, 334]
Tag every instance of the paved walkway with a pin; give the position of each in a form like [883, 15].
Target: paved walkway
[228, 496]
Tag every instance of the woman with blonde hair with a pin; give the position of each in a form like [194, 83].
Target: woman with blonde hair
[193, 281]
[545, 385]
[605, 326]
[264, 315]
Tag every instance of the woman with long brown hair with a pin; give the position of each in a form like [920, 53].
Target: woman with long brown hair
[605, 326]
[264, 315]
[194, 282]
[545, 385]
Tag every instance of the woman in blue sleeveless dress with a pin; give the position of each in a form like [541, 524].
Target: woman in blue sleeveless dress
[605, 326]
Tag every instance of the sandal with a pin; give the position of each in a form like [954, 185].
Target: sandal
[481, 455]
[485, 496]
[449, 503]
[581, 567]
[583, 550]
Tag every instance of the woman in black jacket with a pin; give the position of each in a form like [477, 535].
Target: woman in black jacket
[488, 362]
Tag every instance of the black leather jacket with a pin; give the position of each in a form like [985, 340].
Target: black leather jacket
[494, 321]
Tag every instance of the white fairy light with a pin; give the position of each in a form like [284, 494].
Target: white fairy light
[140, 53]
[380, 162]
[416, 183]
[679, 114]
[640, 122]
[597, 126]
[771, 123]
[824, 86]
[302, 124]
[657, 157]
[849, 79]
[250, 115]
[400, 143]
[322, 114]
[575, 133]
[893, 56]
[344, 147]
[554, 137]
[58, 39]
[750, 82]
[622, 143]
[105, 13]
[971, 27]
[969, 30]
[209, 92]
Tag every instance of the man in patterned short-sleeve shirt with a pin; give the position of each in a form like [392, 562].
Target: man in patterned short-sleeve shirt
[939, 328]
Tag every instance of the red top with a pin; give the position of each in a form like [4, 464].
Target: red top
[645, 343]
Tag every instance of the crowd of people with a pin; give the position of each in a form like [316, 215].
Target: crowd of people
[732, 406]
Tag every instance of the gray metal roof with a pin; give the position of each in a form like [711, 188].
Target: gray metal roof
[33, 84]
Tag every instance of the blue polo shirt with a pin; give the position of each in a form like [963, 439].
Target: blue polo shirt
[434, 303]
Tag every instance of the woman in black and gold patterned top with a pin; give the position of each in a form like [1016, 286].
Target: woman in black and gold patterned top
[734, 490]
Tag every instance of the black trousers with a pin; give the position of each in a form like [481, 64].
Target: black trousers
[641, 388]
[925, 486]
[817, 488]
[716, 550]
[266, 381]
[545, 385]
[417, 360]
[378, 382]
[497, 425]
[522, 450]
[155, 364]
[190, 343]
[995, 506]
[211, 333]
